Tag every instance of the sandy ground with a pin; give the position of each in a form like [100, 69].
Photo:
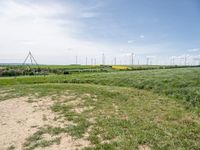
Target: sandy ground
[19, 119]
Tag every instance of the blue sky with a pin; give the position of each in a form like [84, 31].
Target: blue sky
[58, 30]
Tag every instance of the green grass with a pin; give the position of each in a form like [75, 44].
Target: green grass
[124, 116]
[182, 84]
[20, 70]
[36, 140]
[70, 66]
[158, 108]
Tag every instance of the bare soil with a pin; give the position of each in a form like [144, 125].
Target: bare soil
[19, 119]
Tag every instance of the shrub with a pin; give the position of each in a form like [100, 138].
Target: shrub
[66, 72]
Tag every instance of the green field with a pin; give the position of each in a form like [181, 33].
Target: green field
[157, 109]
[30, 70]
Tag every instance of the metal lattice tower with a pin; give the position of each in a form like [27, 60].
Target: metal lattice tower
[32, 59]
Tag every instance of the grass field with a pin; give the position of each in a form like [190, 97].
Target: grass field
[149, 109]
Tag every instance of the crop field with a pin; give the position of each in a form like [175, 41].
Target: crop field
[149, 109]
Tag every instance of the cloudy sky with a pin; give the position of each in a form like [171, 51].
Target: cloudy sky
[56, 31]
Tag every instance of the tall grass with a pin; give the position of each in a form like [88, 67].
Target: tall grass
[183, 84]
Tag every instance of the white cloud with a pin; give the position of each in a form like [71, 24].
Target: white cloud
[194, 50]
[130, 41]
[39, 27]
[14, 9]
[88, 14]
[141, 36]
[49, 30]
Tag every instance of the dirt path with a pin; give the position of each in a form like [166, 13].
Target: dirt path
[20, 119]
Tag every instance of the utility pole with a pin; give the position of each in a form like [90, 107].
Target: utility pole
[173, 60]
[132, 58]
[76, 60]
[115, 61]
[86, 60]
[185, 60]
[91, 61]
[103, 59]
[95, 61]
[147, 60]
